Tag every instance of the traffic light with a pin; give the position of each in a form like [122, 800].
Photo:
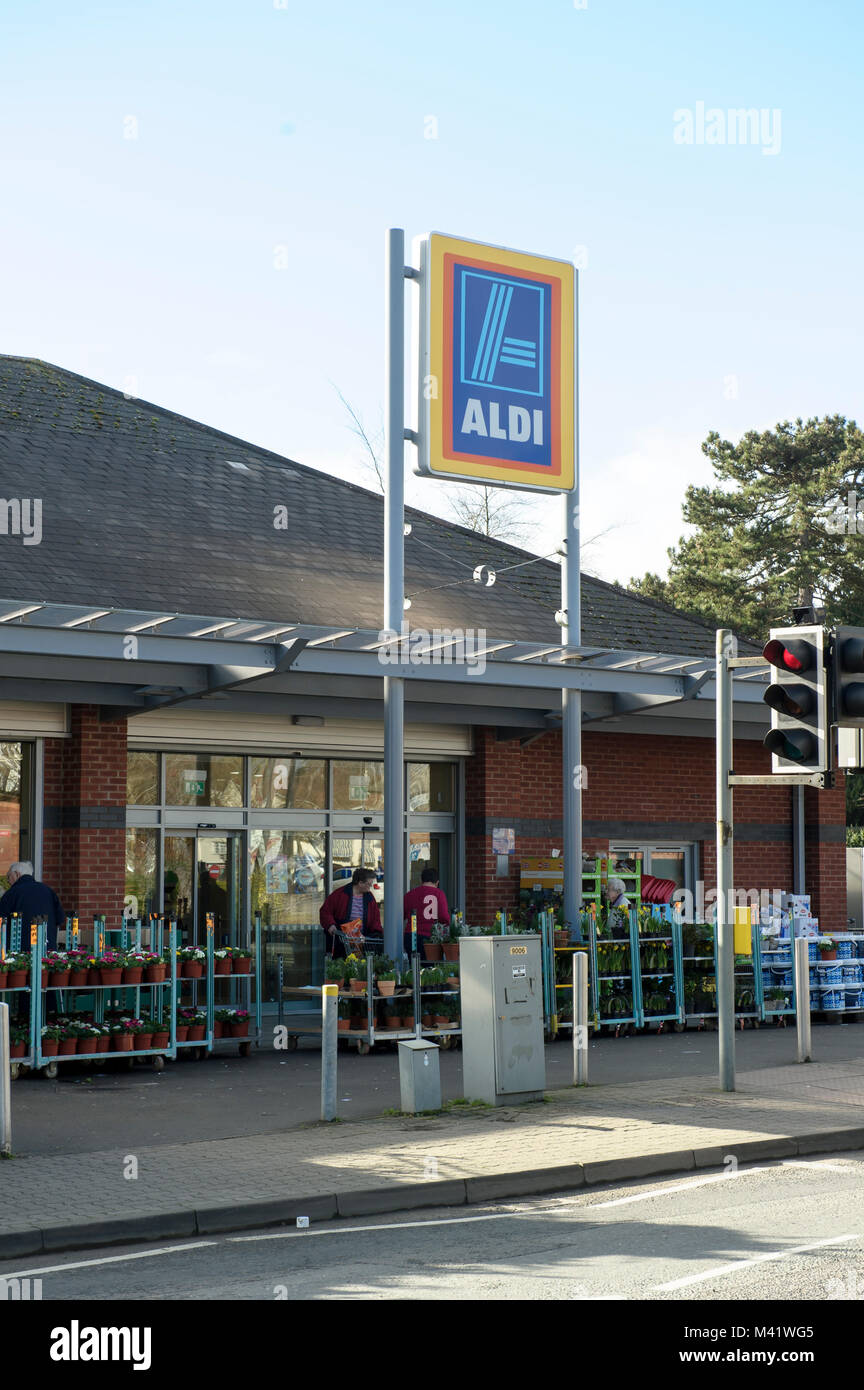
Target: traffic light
[848, 677]
[799, 740]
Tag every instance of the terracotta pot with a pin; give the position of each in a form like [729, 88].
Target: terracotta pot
[58, 979]
[426, 1020]
[386, 988]
[240, 1030]
[17, 1049]
[222, 967]
[132, 974]
[343, 1025]
[87, 1045]
[360, 1025]
[192, 969]
[15, 979]
[408, 1022]
[393, 1023]
[451, 950]
[196, 1032]
[161, 1040]
[182, 1032]
[111, 976]
[155, 974]
[120, 1042]
[49, 1047]
[432, 951]
[103, 1043]
[94, 977]
[828, 955]
[67, 1047]
[452, 982]
[77, 978]
[143, 1042]
[218, 1028]
[439, 1021]
[241, 965]
[357, 986]
[44, 979]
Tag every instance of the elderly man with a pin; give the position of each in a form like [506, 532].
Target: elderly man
[29, 899]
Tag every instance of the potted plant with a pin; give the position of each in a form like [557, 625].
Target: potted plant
[241, 960]
[68, 1045]
[222, 961]
[433, 949]
[103, 1037]
[17, 971]
[78, 969]
[161, 1034]
[343, 1021]
[451, 979]
[145, 1030]
[192, 960]
[50, 1040]
[385, 973]
[155, 968]
[121, 1036]
[19, 1040]
[197, 1026]
[334, 972]
[87, 1038]
[239, 1025]
[827, 948]
[775, 1000]
[450, 945]
[110, 967]
[355, 974]
[221, 1022]
[182, 1030]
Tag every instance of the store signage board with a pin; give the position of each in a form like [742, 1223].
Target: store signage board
[496, 366]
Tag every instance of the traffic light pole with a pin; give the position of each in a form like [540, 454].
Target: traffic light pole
[725, 954]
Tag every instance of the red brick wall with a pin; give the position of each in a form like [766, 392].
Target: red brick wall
[639, 787]
[83, 855]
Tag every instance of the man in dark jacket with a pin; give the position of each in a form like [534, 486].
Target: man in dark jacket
[352, 902]
[28, 899]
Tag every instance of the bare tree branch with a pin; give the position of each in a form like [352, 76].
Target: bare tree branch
[372, 446]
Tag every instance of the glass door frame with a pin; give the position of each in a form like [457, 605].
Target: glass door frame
[196, 832]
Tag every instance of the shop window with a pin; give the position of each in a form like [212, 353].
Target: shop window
[203, 779]
[358, 786]
[288, 886]
[16, 836]
[430, 787]
[141, 893]
[142, 779]
[289, 784]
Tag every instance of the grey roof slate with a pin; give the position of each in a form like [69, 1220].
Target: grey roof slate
[142, 509]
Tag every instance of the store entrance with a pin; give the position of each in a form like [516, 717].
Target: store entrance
[201, 873]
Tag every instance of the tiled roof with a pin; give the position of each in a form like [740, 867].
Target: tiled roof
[142, 508]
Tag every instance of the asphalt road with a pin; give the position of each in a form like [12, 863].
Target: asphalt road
[783, 1231]
[226, 1095]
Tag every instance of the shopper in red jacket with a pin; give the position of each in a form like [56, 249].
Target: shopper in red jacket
[352, 902]
[428, 904]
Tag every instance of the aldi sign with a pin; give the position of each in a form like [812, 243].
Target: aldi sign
[496, 370]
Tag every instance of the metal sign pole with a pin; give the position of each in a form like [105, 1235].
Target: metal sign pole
[725, 954]
[394, 590]
[571, 700]
[801, 958]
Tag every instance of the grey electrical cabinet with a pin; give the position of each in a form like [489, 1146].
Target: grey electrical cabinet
[502, 1018]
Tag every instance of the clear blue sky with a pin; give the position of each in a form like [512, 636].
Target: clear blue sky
[153, 259]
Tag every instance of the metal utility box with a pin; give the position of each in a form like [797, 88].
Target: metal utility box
[419, 1075]
[502, 1018]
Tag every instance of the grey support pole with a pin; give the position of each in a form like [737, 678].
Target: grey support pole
[580, 1018]
[571, 700]
[5, 1088]
[725, 929]
[802, 998]
[329, 1050]
[394, 590]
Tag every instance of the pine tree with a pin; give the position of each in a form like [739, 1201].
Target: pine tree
[774, 532]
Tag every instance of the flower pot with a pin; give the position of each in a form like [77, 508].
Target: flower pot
[110, 976]
[192, 969]
[15, 979]
[360, 1025]
[162, 1039]
[94, 977]
[829, 955]
[343, 1025]
[17, 1049]
[182, 1032]
[120, 1042]
[77, 978]
[426, 1020]
[240, 1030]
[196, 1032]
[218, 1028]
[44, 979]
[393, 1023]
[386, 988]
[67, 1047]
[358, 986]
[241, 965]
[432, 951]
[155, 974]
[451, 950]
[439, 1021]
[408, 1022]
[103, 1042]
[49, 1047]
[143, 1042]
[452, 982]
[87, 1045]
[132, 974]
[222, 967]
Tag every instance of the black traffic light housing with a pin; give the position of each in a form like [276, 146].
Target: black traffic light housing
[847, 667]
[800, 736]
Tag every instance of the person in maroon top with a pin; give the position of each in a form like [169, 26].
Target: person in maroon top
[428, 904]
[351, 902]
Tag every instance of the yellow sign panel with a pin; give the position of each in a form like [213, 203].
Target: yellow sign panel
[497, 366]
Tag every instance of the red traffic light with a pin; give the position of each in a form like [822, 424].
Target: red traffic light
[789, 656]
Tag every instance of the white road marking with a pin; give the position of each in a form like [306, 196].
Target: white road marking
[738, 1265]
[679, 1187]
[393, 1226]
[109, 1260]
[825, 1167]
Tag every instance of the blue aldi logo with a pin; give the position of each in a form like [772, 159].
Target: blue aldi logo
[501, 366]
